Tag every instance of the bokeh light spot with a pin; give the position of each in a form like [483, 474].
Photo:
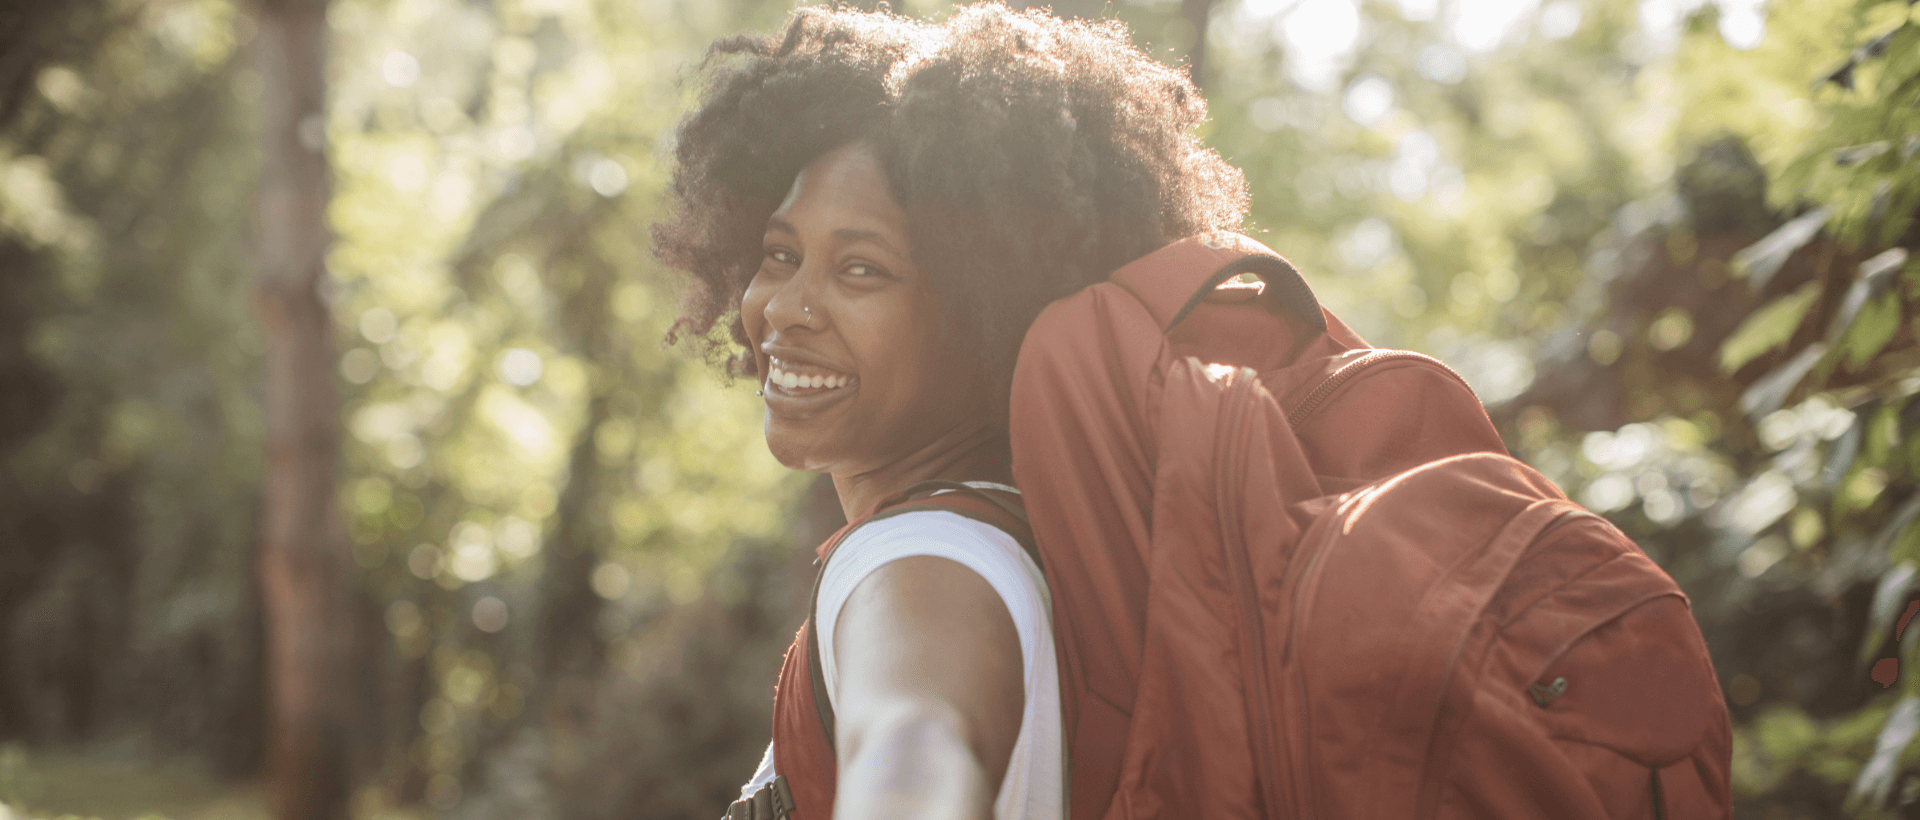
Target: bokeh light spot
[1368, 101]
[359, 365]
[400, 69]
[611, 581]
[489, 614]
[518, 366]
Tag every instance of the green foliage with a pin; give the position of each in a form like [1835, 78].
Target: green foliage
[1767, 328]
[1870, 333]
[516, 438]
[1824, 104]
[1783, 739]
[517, 433]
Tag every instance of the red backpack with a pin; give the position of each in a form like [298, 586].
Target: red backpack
[1297, 577]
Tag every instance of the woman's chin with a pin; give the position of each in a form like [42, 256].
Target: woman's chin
[794, 449]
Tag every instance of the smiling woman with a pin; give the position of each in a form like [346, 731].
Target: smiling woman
[861, 383]
[877, 209]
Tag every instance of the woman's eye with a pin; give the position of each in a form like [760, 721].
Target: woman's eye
[864, 270]
[782, 256]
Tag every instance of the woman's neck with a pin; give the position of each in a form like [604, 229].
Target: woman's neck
[979, 455]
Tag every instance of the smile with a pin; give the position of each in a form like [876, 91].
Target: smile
[801, 377]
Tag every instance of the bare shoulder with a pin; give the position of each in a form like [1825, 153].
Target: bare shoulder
[929, 663]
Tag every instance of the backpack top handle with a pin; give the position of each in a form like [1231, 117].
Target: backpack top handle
[1174, 281]
[1284, 284]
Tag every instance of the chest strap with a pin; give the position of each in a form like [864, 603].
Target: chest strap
[772, 802]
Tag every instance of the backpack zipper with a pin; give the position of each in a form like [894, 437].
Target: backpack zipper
[1230, 454]
[1303, 792]
[1350, 371]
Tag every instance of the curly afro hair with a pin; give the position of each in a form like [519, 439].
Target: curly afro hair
[1032, 155]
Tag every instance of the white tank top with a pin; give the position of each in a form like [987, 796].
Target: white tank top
[1034, 787]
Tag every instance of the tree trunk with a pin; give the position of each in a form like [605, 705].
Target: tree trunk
[304, 571]
[571, 648]
[1196, 13]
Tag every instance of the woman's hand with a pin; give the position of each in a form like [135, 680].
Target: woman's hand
[929, 693]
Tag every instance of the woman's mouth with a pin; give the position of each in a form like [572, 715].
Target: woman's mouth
[803, 378]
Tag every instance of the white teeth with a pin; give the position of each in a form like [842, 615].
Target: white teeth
[794, 381]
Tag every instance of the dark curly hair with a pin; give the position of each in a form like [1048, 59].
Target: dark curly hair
[1032, 155]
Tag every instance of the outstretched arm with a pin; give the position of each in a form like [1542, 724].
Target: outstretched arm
[929, 693]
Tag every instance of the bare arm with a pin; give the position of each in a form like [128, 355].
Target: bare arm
[929, 693]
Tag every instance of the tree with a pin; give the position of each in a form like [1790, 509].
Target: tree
[304, 568]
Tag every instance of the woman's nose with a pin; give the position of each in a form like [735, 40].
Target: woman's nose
[794, 304]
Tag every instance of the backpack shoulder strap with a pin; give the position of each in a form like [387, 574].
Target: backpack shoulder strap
[991, 507]
[1001, 509]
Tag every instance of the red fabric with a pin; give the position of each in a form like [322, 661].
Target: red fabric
[802, 752]
[1340, 618]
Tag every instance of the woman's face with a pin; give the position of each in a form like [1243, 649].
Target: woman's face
[846, 330]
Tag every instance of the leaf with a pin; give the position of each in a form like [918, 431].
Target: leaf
[1888, 596]
[1871, 332]
[1883, 433]
[1787, 735]
[1878, 270]
[1761, 260]
[1909, 647]
[1873, 278]
[1877, 203]
[1856, 154]
[1767, 328]
[1769, 392]
[1845, 450]
[1876, 46]
[1842, 76]
[1895, 527]
[1876, 781]
[1906, 547]
[1762, 501]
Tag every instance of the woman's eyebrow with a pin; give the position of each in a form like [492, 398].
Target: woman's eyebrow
[775, 223]
[877, 238]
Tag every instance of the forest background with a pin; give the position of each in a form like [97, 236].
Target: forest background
[343, 472]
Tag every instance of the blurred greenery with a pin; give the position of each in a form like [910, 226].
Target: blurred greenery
[1667, 241]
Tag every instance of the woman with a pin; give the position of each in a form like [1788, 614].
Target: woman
[876, 209]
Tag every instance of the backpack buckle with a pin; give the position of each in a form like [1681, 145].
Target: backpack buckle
[782, 797]
[1548, 693]
[773, 801]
